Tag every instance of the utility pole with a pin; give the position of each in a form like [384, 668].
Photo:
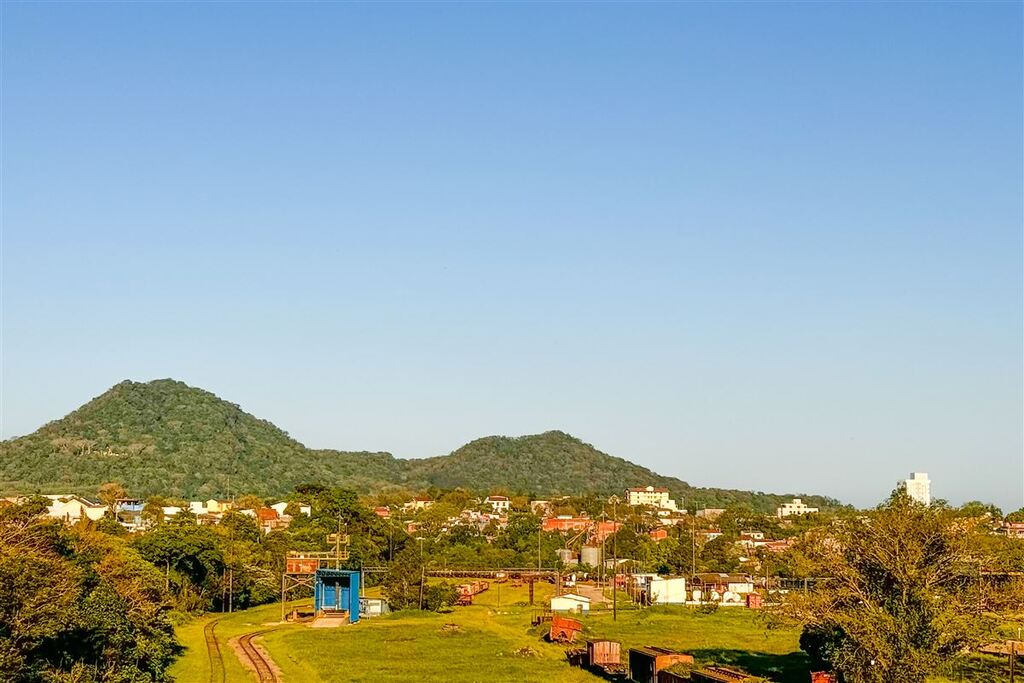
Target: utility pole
[615, 560]
[1013, 660]
[693, 544]
[540, 525]
[422, 572]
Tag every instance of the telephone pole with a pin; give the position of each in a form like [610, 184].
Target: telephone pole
[615, 559]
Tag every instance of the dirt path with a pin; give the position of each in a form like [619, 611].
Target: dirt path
[595, 594]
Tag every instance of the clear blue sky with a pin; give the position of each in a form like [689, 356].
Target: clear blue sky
[765, 246]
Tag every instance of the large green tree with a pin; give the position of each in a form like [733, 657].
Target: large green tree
[904, 592]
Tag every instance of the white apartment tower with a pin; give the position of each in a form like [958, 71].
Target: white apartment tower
[918, 487]
[651, 496]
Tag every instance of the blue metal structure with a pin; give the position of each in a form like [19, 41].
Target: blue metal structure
[337, 590]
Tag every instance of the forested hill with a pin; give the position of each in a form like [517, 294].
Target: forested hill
[165, 437]
[558, 463]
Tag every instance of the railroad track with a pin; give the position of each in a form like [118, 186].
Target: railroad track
[260, 664]
[217, 673]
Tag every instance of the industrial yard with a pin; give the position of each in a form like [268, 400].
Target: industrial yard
[492, 640]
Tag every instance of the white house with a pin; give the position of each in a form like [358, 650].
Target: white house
[418, 503]
[71, 508]
[170, 510]
[499, 504]
[650, 496]
[570, 602]
[793, 508]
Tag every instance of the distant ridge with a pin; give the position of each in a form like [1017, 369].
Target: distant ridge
[165, 437]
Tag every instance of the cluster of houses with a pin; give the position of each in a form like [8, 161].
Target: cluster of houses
[128, 512]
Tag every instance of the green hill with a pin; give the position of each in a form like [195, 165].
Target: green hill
[169, 438]
[557, 463]
[165, 437]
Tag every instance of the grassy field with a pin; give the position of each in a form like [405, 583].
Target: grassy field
[495, 642]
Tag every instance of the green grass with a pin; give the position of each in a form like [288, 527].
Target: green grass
[415, 646]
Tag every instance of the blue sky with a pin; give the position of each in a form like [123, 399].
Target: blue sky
[763, 246]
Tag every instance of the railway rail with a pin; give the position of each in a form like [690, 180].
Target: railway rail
[217, 672]
[260, 663]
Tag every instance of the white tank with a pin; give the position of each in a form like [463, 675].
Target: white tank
[591, 555]
[566, 556]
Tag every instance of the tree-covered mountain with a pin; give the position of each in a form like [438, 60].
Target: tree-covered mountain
[558, 463]
[165, 437]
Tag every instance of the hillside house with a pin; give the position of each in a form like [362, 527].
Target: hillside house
[1011, 529]
[70, 508]
[793, 508]
[567, 523]
[417, 504]
[540, 507]
[128, 512]
[269, 520]
[302, 508]
[650, 496]
[499, 504]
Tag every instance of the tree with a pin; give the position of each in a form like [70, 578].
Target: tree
[77, 605]
[110, 493]
[902, 593]
[1017, 516]
[404, 579]
[439, 595]
[719, 555]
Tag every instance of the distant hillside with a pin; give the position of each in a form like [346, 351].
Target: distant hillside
[169, 438]
[557, 463]
[165, 437]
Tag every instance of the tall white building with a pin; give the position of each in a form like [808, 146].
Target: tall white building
[918, 487]
[795, 507]
[650, 496]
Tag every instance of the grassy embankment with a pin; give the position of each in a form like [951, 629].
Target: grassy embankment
[490, 639]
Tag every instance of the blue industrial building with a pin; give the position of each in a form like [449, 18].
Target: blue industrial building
[335, 591]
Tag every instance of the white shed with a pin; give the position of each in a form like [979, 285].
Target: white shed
[668, 591]
[570, 602]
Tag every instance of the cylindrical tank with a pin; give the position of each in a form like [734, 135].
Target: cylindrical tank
[591, 555]
[566, 556]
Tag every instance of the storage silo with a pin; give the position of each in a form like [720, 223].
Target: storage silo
[591, 555]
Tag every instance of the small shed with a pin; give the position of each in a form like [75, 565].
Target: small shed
[570, 602]
[646, 662]
[602, 652]
[666, 590]
[336, 591]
